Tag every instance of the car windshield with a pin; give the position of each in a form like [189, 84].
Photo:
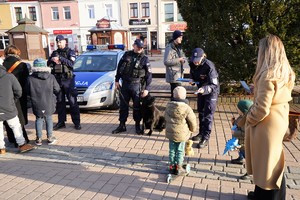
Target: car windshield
[95, 63]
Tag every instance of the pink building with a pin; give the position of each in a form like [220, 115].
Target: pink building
[61, 18]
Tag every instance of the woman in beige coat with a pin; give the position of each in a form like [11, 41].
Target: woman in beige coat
[267, 120]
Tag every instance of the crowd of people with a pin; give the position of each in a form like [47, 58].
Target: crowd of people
[260, 127]
[44, 87]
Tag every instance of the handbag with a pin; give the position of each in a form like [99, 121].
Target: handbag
[13, 67]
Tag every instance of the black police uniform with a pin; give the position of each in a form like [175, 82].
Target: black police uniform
[135, 72]
[207, 77]
[65, 78]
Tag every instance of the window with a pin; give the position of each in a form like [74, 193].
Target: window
[55, 15]
[32, 13]
[108, 8]
[133, 10]
[179, 17]
[91, 11]
[18, 11]
[169, 12]
[4, 41]
[67, 12]
[145, 10]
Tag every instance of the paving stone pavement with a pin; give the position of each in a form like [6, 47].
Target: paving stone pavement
[92, 163]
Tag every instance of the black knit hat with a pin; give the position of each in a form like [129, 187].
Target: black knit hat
[176, 34]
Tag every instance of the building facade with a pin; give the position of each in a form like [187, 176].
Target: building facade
[151, 20]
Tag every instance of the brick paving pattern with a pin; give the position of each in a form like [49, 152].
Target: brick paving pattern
[92, 163]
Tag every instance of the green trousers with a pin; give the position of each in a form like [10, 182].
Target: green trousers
[176, 152]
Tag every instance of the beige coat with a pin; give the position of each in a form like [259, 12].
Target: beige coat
[266, 124]
[181, 121]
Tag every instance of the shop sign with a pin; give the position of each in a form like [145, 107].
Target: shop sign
[138, 29]
[62, 32]
[103, 23]
[139, 22]
[181, 26]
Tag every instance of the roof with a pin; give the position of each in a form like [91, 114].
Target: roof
[26, 25]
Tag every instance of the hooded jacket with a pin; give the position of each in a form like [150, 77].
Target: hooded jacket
[174, 68]
[10, 89]
[180, 121]
[42, 86]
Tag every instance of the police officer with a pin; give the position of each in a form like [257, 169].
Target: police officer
[61, 62]
[135, 72]
[203, 72]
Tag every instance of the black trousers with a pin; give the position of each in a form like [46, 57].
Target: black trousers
[261, 194]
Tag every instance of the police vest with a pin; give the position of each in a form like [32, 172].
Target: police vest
[133, 66]
[61, 69]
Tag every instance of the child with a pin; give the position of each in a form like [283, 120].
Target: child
[180, 122]
[42, 86]
[239, 131]
[10, 89]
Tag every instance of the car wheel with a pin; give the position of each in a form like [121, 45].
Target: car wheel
[116, 103]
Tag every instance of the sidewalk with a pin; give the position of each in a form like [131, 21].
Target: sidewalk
[92, 163]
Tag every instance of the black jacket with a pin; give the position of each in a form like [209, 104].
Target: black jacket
[10, 89]
[21, 72]
[42, 86]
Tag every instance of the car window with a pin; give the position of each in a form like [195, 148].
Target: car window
[95, 63]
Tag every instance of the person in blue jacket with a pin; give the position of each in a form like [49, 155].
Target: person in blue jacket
[135, 71]
[61, 62]
[204, 73]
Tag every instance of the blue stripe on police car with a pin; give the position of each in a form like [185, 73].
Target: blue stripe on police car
[85, 79]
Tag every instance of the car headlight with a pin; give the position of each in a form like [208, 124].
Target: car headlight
[103, 86]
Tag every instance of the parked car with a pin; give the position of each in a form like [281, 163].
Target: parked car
[95, 72]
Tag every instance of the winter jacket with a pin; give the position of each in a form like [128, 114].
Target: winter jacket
[180, 121]
[21, 72]
[266, 124]
[174, 68]
[42, 86]
[10, 89]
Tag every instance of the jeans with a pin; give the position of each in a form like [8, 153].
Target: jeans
[15, 125]
[39, 126]
[176, 152]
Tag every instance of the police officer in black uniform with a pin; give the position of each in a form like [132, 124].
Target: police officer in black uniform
[61, 62]
[135, 72]
[204, 73]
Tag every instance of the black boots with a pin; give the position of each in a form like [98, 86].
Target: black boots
[138, 129]
[121, 128]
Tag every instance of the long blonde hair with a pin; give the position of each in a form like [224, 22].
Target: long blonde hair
[272, 57]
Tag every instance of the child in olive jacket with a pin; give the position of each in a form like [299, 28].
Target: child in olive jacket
[180, 123]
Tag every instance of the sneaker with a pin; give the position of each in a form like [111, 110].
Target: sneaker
[52, 140]
[171, 169]
[238, 161]
[38, 141]
[176, 170]
[2, 151]
[26, 147]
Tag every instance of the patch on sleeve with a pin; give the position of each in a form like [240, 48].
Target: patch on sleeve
[149, 69]
[215, 81]
[73, 58]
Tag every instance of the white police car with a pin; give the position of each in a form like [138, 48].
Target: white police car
[95, 72]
